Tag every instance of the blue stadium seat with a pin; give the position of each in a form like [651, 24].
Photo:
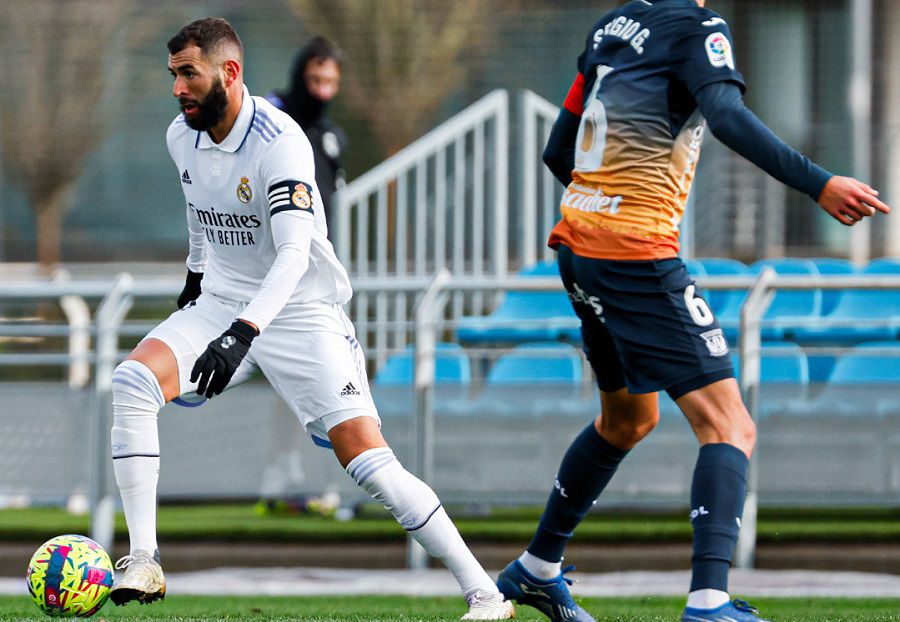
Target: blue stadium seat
[538, 363]
[833, 266]
[451, 364]
[533, 380]
[548, 267]
[789, 309]
[695, 267]
[522, 316]
[864, 315]
[784, 380]
[863, 365]
[725, 304]
[883, 265]
[392, 388]
[780, 362]
[783, 375]
[820, 367]
[863, 383]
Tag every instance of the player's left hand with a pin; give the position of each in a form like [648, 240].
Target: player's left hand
[849, 200]
[216, 366]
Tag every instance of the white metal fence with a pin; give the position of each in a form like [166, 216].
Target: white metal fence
[439, 203]
[444, 203]
[78, 448]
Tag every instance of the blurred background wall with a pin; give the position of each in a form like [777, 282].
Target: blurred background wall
[86, 99]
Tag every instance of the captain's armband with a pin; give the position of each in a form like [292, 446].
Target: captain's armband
[290, 195]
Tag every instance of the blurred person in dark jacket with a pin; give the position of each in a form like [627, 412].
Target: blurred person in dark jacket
[315, 81]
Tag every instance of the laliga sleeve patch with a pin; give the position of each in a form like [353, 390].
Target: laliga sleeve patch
[290, 195]
[718, 49]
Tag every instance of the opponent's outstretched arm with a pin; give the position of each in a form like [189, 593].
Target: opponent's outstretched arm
[846, 199]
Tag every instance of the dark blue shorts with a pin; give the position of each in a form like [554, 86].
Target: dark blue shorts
[645, 325]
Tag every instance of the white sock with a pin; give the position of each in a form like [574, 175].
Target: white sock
[540, 568]
[137, 398]
[707, 599]
[415, 506]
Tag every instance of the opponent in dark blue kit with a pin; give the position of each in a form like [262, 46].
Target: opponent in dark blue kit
[652, 76]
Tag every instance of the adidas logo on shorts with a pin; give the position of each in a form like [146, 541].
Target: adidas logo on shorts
[349, 390]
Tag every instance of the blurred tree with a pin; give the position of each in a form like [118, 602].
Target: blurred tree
[402, 57]
[59, 63]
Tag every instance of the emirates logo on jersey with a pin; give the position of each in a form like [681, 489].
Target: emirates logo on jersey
[244, 192]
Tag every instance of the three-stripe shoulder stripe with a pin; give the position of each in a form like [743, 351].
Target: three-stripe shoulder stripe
[262, 131]
[264, 126]
[267, 121]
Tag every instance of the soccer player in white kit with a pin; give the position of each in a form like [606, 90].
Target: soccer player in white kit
[272, 283]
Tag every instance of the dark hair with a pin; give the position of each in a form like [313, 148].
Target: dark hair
[318, 48]
[209, 34]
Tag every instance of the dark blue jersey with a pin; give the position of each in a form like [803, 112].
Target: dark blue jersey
[630, 132]
[640, 131]
[661, 53]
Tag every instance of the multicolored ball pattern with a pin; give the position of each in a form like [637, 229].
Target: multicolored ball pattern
[70, 576]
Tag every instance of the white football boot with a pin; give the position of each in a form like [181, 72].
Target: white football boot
[142, 580]
[488, 606]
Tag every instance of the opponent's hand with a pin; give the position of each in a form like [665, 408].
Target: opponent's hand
[216, 366]
[191, 290]
[849, 200]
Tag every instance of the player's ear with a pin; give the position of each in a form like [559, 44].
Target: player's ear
[232, 69]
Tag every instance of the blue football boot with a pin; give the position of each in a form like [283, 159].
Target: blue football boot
[735, 611]
[550, 597]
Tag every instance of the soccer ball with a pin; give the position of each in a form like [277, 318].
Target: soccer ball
[70, 576]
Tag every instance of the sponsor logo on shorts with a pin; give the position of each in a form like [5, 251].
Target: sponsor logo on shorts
[580, 296]
[715, 342]
[350, 390]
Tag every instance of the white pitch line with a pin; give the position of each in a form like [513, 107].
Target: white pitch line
[330, 581]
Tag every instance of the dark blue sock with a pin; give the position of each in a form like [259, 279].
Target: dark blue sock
[717, 503]
[587, 467]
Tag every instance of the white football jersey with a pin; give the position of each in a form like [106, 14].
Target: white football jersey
[233, 189]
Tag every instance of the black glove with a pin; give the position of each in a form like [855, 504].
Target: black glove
[191, 290]
[215, 367]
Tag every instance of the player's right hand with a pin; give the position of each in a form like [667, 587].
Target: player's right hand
[191, 290]
[849, 200]
[216, 366]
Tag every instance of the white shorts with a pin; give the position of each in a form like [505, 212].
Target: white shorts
[309, 354]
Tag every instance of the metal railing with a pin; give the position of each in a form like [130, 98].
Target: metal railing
[433, 295]
[439, 203]
[761, 291]
[541, 191]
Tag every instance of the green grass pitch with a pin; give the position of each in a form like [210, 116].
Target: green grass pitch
[404, 608]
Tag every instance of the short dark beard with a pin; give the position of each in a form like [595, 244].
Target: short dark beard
[211, 110]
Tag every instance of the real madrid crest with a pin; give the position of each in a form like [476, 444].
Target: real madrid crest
[244, 193]
[302, 196]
